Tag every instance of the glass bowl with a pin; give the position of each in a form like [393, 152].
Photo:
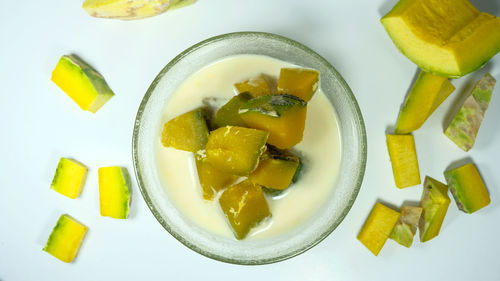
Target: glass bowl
[258, 251]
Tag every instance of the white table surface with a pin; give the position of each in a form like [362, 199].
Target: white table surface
[39, 124]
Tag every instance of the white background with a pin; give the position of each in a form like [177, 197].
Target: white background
[39, 124]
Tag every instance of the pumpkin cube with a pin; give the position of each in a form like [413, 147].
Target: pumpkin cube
[378, 227]
[69, 178]
[435, 202]
[114, 192]
[468, 188]
[228, 114]
[404, 161]
[245, 206]
[236, 150]
[187, 132]
[81, 83]
[283, 116]
[276, 169]
[465, 125]
[65, 239]
[211, 179]
[256, 87]
[299, 82]
[407, 225]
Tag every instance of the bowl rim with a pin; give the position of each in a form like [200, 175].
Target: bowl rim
[147, 198]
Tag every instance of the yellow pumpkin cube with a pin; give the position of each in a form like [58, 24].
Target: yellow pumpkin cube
[299, 82]
[434, 202]
[69, 178]
[114, 192]
[245, 206]
[228, 114]
[235, 150]
[404, 161]
[283, 116]
[468, 188]
[276, 169]
[187, 132]
[378, 227]
[65, 239]
[211, 179]
[256, 87]
[407, 225]
[81, 83]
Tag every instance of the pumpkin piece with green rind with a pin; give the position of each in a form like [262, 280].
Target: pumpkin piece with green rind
[434, 202]
[464, 127]
[276, 169]
[211, 179]
[404, 160]
[299, 82]
[83, 84]
[114, 192]
[407, 225]
[446, 37]
[131, 9]
[468, 189]
[65, 239]
[228, 114]
[378, 227]
[187, 132]
[236, 150]
[283, 116]
[428, 92]
[256, 87]
[69, 178]
[244, 206]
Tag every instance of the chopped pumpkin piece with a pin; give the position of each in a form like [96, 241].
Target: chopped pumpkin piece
[299, 82]
[256, 87]
[114, 192]
[426, 95]
[81, 83]
[211, 179]
[378, 227]
[228, 114]
[467, 188]
[236, 150]
[406, 227]
[131, 9]
[447, 37]
[245, 206]
[187, 132]
[465, 125]
[69, 178]
[276, 169]
[435, 202]
[65, 239]
[283, 116]
[404, 160]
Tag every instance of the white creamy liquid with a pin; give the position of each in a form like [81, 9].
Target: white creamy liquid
[320, 148]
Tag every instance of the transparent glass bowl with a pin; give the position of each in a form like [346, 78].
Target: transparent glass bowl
[353, 150]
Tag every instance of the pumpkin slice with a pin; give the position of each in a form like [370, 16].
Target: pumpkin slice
[65, 239]
[187, 132]
[245, 206]
[283, 116]
[236, 150]
[468, 188]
